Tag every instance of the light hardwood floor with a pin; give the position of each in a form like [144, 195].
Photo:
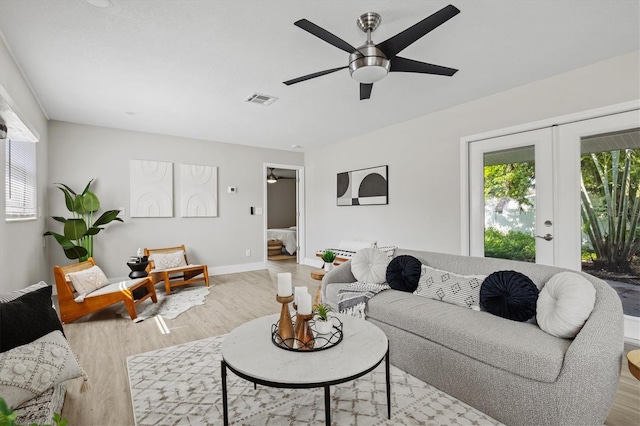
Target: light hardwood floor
[103, 341]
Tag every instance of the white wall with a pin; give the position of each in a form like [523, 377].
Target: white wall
[22, 256]
[79, 152]
[281, 203]
[424, 158]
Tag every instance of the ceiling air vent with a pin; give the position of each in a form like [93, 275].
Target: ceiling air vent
[258, 98]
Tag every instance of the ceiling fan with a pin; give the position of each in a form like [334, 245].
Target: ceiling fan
[272, 178]
[371, 62]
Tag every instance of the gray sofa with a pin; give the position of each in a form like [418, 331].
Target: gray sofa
[38, 410]
[512, 371]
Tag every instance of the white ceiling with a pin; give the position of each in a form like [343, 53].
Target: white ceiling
[184, 67]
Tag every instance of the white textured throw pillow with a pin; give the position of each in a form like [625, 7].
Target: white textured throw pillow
[29, 370]
[564, 304]
[88, 280]
[461, 290]
[168, 260]
[369, 266]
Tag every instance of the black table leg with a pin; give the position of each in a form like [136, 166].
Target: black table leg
[386, 365]
[327, 406]
[225, 413]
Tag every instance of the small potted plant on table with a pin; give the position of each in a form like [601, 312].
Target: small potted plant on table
[323, 321]
[328, 257]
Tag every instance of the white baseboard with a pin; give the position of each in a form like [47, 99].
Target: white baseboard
[233, 269]
[632, 329]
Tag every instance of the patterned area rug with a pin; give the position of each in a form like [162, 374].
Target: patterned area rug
[180, 300]
[182, 385]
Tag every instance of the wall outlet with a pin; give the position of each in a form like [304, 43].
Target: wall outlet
[247, 253]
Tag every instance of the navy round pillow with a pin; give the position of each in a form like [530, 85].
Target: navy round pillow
[509, 294]
[403, 273]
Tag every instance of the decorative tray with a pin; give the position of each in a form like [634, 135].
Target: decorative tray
[322, 341]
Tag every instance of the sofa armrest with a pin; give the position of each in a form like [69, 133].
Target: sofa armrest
[339, 274]
[596, 352]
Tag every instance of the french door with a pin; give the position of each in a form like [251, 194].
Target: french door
[511, 202]
[565, 195]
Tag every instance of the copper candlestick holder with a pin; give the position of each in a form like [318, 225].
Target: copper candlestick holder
[285, 326]
[304, 334]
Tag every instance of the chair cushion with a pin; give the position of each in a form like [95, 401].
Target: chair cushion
[369, 265]
[403, 273]
[28, 370]
[113, 288]
[27, 318]
[87, 280]
[509, 294]
[168, 260]
[178, 269]
[449, 287]
[564, 304]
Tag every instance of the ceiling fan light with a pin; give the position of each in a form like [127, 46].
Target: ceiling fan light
[368, 64]
[271, 178]
[369, 74]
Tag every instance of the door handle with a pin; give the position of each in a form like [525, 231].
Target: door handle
[546, 237]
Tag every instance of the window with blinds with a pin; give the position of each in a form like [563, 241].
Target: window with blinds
[20, 180]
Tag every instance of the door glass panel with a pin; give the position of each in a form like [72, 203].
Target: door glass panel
[610, 210]
[509, 204]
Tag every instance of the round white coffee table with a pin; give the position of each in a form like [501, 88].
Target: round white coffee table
[249, 352]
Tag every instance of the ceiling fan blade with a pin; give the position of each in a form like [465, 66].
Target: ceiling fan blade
[396, 44]
[365, 90]
[314, 75]
[399, 64]
[324, 35]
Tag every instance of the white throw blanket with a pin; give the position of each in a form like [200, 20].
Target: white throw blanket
[353, 298]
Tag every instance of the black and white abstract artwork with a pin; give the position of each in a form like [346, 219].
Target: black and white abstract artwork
[363, 187]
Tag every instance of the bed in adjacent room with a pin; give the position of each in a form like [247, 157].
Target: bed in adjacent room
[287, 236]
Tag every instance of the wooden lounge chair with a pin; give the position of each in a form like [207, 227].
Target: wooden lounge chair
[73, 307]
[174, 276]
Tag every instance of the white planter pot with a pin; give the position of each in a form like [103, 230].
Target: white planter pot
[324, 327]
[328, 266]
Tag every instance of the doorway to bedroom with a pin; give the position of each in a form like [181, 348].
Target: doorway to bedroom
[283, 204]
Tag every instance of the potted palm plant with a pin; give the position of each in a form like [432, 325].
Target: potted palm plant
[79, 230]
[328, 257]
[323, 322]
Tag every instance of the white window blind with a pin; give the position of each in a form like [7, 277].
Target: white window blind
[20, 179]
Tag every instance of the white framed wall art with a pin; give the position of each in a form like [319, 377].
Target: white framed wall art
[151, 188]
[198, 190]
